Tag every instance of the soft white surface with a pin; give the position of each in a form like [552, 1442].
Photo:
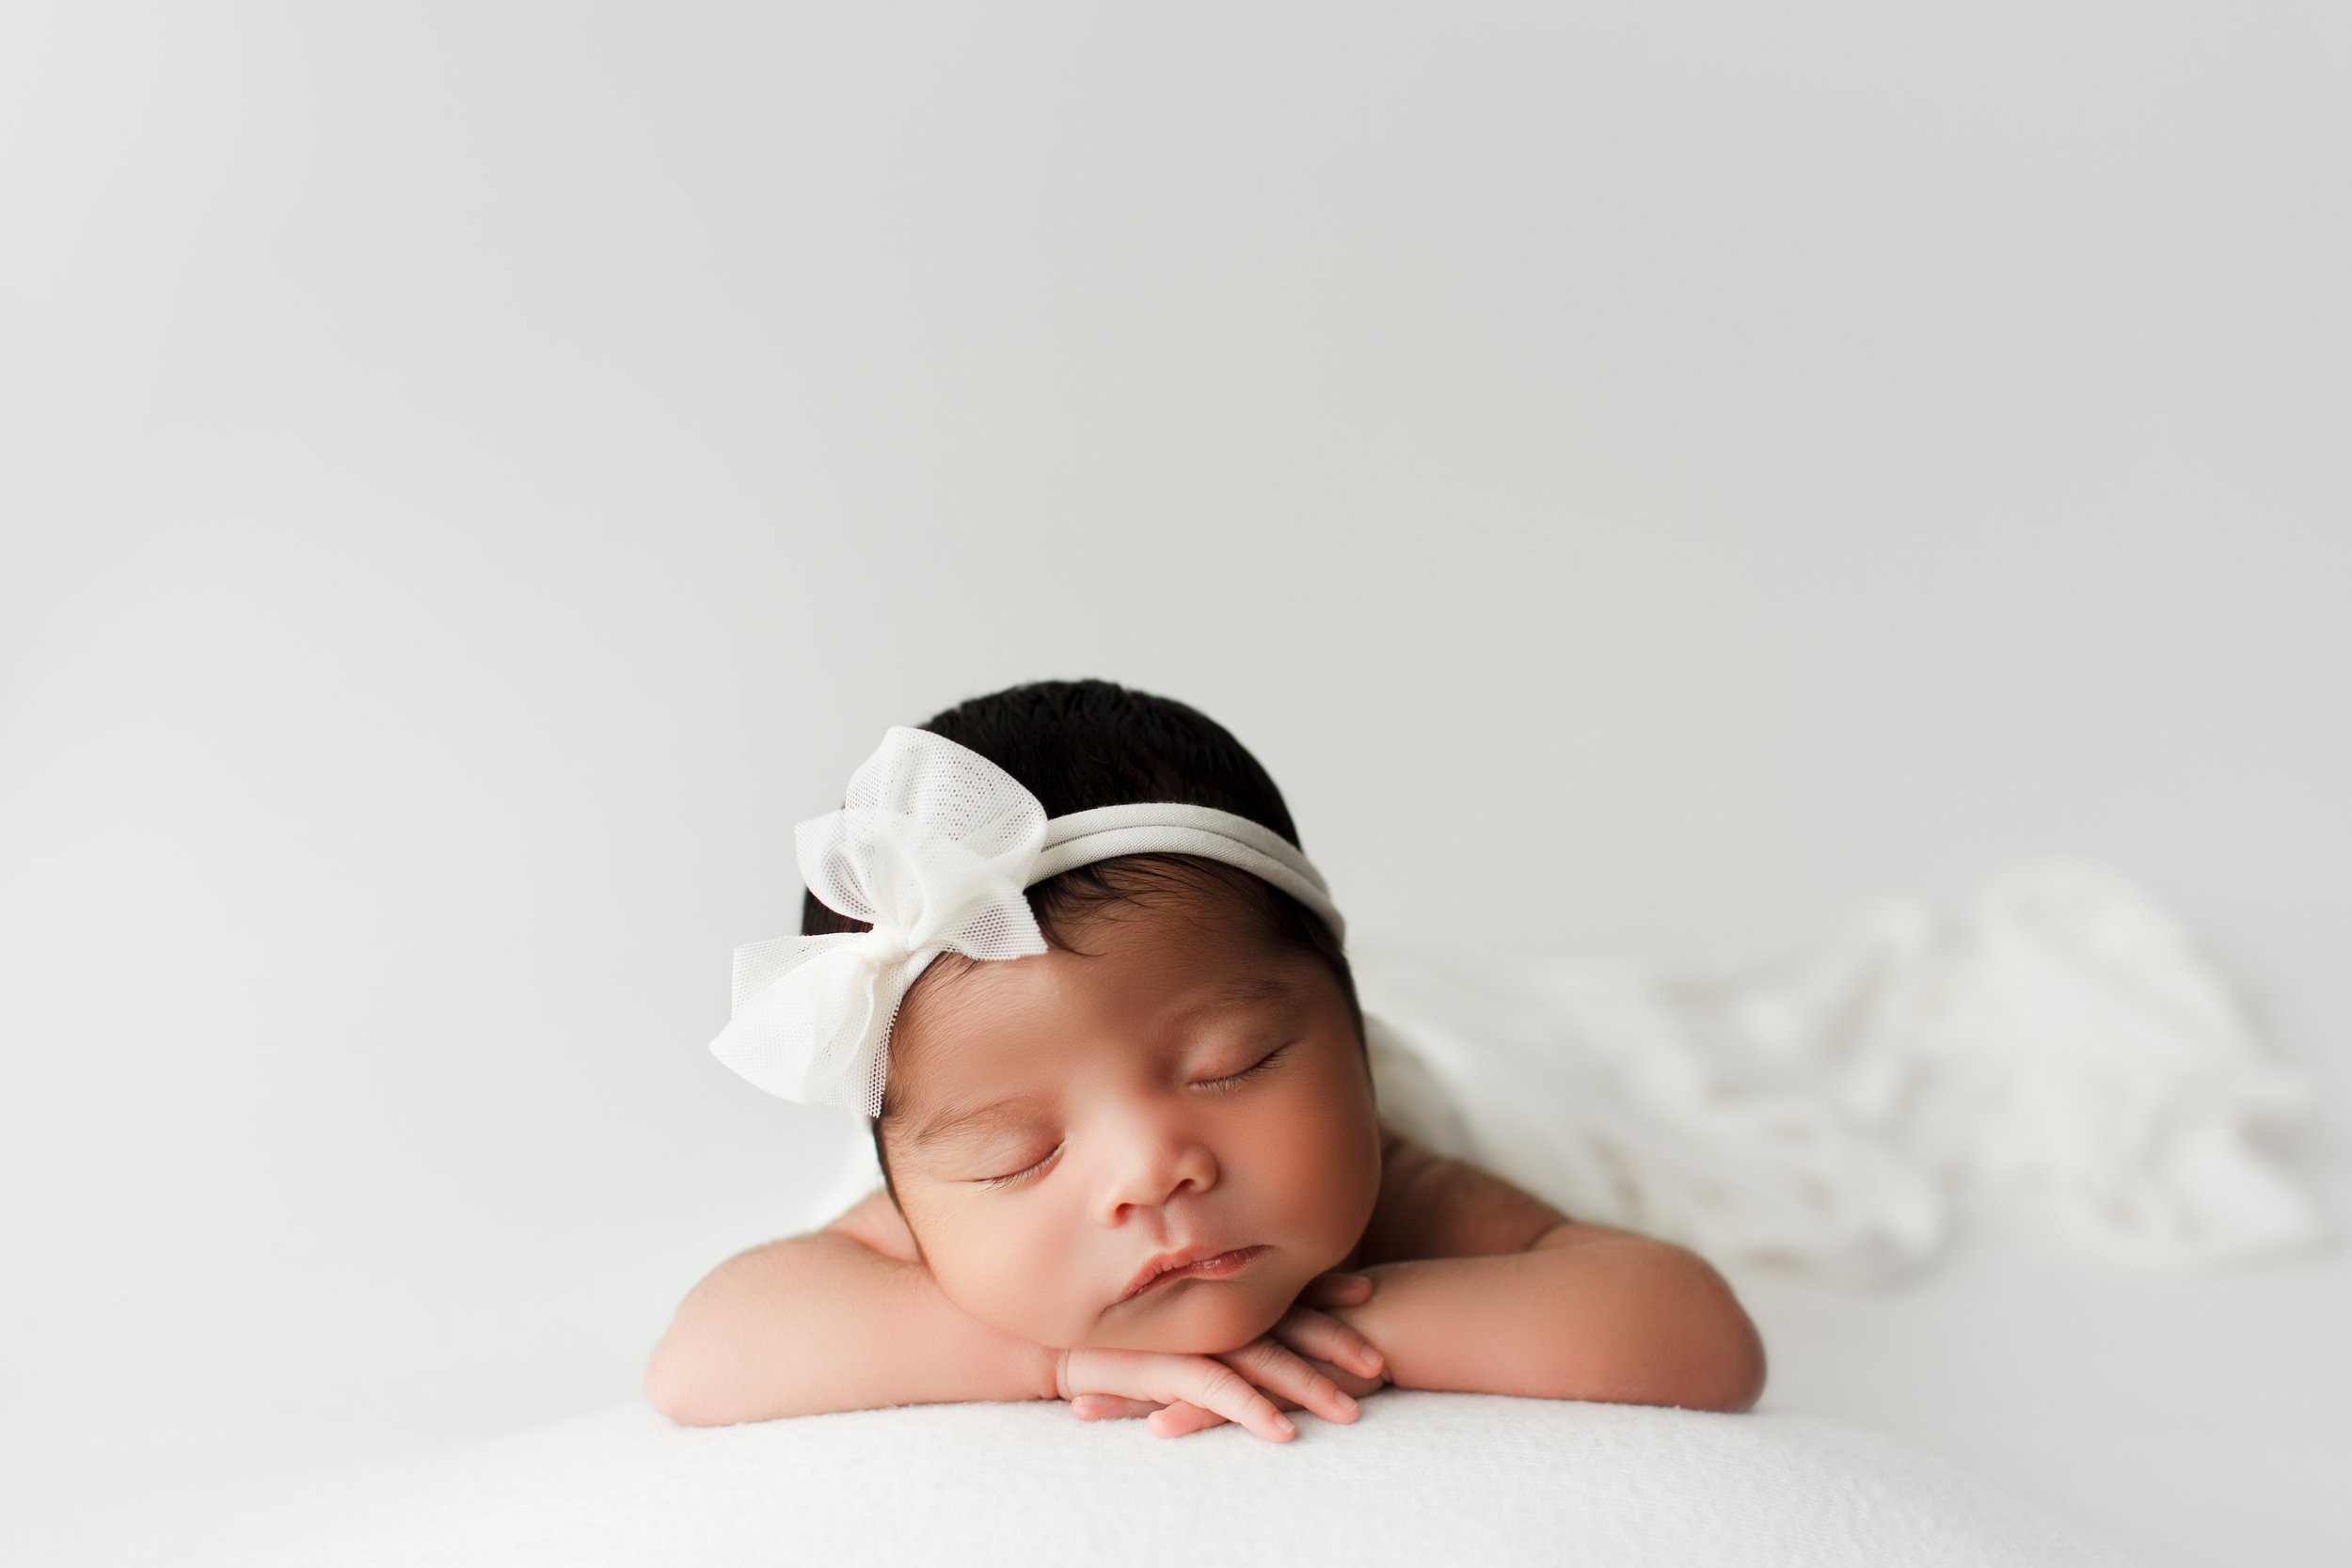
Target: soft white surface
[2205, 1414]
[2198, 1419]
[1418, 1479]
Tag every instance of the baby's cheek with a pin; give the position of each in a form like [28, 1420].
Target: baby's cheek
[1009, 1293]
[1055, 1306]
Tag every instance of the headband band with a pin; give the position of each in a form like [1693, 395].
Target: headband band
[934, 847]
[1170, 828]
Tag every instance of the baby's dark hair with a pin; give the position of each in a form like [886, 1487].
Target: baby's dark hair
[1077, 745]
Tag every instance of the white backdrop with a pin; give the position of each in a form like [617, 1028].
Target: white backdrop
[472, 476]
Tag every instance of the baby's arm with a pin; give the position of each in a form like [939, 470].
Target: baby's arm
[824, 1321]
[1489, 1290]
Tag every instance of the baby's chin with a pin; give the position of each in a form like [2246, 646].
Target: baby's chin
[1199, 1317]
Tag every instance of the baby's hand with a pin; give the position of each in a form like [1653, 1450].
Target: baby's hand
[1302, 1356]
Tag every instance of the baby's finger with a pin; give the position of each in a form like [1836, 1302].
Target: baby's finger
[1182, 1418]
[1276, 1366]
[1110, 1407]
[1214, 1385]
[1337, 1289]
[1354, 1385]
[1319, 1334]
[1199, 1380]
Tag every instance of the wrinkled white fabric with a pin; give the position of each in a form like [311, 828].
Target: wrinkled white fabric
[932, 848]
[2059, 1058]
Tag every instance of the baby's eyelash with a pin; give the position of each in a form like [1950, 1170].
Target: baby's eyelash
[1230, 1084]
[1020, 1176]
[1232, 1081]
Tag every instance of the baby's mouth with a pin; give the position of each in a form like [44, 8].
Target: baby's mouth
[1223, 1266]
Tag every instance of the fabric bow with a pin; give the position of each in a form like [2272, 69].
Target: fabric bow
[932, 846]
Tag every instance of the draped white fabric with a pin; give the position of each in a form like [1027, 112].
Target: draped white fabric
[2058, 1059]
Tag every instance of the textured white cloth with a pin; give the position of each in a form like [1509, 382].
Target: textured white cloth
[932, 848]
[2059, 1058]
[1418, 1480]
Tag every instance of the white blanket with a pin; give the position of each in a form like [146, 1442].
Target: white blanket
[1419, 1480]
[2059, 1058]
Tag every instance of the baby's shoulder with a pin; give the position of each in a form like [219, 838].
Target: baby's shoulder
[1432, 1205]
[875, 1221]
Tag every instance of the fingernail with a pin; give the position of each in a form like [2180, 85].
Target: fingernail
[1283, 1424]
[1347, 1403]
[1369, 1361]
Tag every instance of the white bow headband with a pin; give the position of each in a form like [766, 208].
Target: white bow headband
[933, 847]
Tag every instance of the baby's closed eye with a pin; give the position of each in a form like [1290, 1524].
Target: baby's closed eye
[1228, 1083]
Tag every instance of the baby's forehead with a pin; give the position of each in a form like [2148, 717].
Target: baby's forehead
[1136, 950]
[986, 1042]
[981, 1026]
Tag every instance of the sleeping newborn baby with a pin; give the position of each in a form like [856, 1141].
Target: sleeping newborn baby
[1139, 1167]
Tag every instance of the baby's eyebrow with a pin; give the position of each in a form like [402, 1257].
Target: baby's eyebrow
[1239, 990]
[951, 1123]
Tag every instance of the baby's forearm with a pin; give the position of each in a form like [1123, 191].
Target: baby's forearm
[822, 1322]
[1626, 1321]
